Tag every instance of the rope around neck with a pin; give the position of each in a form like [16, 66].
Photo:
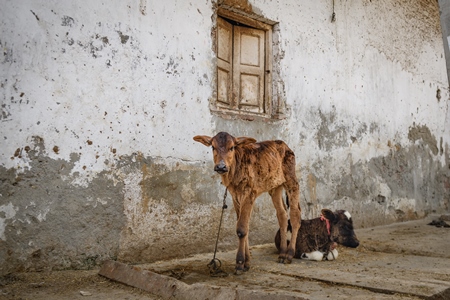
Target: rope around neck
[322, 218]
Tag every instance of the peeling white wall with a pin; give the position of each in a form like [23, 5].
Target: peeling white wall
[135, 77]
[105, 73]
[115, 86]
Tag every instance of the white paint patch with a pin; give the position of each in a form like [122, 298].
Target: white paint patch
[384, 188]
[96, 201]
[42, 215]
[103, 202]
[9, 212]
[22, 163]
[348, 215]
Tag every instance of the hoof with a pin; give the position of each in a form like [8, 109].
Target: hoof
[240, 271]
[288, 261]
[281, 258]
[290, 255]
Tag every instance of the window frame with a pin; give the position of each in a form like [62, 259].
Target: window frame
[272, 106]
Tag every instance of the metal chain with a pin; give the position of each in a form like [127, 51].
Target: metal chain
[215, 264]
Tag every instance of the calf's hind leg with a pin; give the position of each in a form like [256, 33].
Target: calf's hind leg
[295, 216]
[277, 199]
[293, 190]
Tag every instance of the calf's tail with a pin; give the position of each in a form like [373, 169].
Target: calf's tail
[287, 200]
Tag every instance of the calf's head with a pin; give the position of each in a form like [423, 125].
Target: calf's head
[224, 146]
[341, 227]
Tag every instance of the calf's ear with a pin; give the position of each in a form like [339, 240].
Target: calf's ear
[204, 139]
[245, 140]
[328, 214]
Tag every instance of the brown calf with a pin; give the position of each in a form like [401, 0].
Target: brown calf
[249, 169]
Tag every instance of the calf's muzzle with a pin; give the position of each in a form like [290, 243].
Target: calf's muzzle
[353, 243]
[221, 167]
[349, 241]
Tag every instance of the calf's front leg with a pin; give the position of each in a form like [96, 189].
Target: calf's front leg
[242, 229]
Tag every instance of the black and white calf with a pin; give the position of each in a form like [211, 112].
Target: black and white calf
[317, 238]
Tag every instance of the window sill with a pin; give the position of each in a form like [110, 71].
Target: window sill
[231, 114]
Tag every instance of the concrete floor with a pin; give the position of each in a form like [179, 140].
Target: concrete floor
[409, 260]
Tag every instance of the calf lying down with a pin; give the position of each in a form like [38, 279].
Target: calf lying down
[318, 238]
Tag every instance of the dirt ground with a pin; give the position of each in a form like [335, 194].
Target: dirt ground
[87, 285]
[412, 254]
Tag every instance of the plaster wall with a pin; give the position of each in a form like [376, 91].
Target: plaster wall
[444, 10]
[100, 101]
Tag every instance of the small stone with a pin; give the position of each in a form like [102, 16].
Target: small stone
[83, 293]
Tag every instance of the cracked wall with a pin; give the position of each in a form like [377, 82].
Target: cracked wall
[100, 102]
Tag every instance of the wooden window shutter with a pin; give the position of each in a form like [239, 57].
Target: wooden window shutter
[224, 63]
[248, 69]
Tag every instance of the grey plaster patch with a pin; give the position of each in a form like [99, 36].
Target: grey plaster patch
[409, 182]
[51, 224]
[331, 134]
[178, 213]
[406, 184]
[57, 225]
[123, 37]
[417, 132]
